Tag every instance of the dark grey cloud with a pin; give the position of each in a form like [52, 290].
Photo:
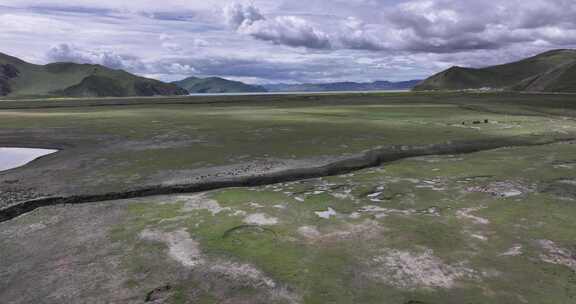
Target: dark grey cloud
[444, 26]
[417, 26]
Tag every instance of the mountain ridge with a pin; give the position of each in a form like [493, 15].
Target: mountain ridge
[529, 74]
[65, 79]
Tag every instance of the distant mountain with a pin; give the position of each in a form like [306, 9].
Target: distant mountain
[216, 85]
[342, 86]
[20, 78]
[553, 71]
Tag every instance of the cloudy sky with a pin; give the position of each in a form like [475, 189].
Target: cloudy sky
[265, 41]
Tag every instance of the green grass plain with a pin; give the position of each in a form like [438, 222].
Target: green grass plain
[488, 227]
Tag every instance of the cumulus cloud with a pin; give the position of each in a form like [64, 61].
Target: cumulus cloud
[356, 35]
[283, 30]
[425, 26]
[70, 53]
[237, 15]
[443, 26]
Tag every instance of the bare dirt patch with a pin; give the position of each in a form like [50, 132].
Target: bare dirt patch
[200, 202]
[365, 230]
[260, 219]
[555, 254]
[466, 214]
[502, 189]
[414, 270]
[181, 247]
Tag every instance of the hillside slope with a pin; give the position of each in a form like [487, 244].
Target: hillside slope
[561, 79]
[216, 85]
[529, 74]
[20, 78]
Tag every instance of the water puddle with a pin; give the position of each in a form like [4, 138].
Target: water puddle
[11, 158]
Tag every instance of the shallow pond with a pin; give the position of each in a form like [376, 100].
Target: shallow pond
[15, 157]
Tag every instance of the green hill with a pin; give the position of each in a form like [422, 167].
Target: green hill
[20, 78]
[545, 72]
[216, 85]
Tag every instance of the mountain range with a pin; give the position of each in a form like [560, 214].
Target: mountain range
[19, 78]
[342, 86]
[216, 85]
[552, 71]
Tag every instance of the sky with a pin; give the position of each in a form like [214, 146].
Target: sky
[285, 41]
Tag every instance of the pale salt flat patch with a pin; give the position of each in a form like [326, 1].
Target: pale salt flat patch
[383, 212]
[255, 205]
[503, 189]
[238, 213]
[375, 194]
[570, 165]
[365, 230]
[511, 193]
[567, 181]
[374, 197]
[326, 214]
[260, 219]
[181, 247]
[310, 232]
[201, 202]
[372, 208]
[249, 275]
[557, 255]
[410, 270]
[466, 213]
[479, 237]
[513, 251]
[411, 180]
[238, 272]
[340, 195]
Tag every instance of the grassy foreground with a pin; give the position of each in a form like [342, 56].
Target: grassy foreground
[489, 227]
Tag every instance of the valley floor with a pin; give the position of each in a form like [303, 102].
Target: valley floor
[491, 225]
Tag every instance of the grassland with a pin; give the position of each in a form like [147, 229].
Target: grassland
[129, 144]
[494, 226]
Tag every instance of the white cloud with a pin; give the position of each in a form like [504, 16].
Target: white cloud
[283, 30]
[70, 53]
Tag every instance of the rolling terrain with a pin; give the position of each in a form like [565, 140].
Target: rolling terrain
[552, 71]
[22, 79]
